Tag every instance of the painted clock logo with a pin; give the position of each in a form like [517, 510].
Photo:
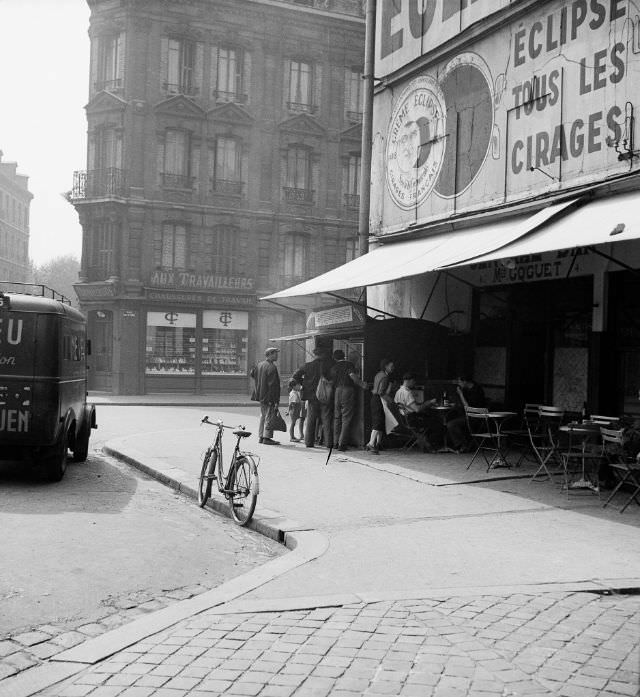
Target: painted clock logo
[415, 142]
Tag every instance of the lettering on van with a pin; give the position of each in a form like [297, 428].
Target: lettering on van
[11, 331]
[14, 421]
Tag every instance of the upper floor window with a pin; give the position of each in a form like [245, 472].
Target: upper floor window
[109, 62]
[177, 159]
[224, 244]
[230, 73]
[173, 251]
[352, 245]
[105, 149]
[227, 166]
[298, 174]
[351, 180]
[353, 86]
[104, 235]
[181, 65]
[295, 258]
[301, 83]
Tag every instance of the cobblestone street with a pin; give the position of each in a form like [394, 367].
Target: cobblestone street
[565, 644]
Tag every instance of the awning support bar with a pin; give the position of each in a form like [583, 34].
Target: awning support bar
[433, 289]
[635, 272]
[356, 302]
[286, 307]
[472, 285]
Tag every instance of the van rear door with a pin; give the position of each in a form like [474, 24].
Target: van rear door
[17, 350]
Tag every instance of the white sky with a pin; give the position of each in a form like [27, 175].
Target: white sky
[44, 79]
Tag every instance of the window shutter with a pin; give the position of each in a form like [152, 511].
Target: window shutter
[164, 62]
[195, 167]
[120, 43]
[286, 85]
[317, 85]
[198, 68]
[95, 60]
[214, 70]
[160, 162]
[246, 75]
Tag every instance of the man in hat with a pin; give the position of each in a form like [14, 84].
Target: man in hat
[317, 412]
[267, 392]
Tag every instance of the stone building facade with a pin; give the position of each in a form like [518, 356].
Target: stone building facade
[223, 163]
[15, 199]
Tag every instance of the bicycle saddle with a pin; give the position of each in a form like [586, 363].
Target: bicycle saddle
[241, 433]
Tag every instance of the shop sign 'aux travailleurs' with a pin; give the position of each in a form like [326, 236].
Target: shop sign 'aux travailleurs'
[536, 105]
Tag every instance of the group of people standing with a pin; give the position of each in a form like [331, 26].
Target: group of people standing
[326, 416]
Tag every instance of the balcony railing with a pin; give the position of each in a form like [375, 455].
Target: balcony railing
[109, 85]
[352, 200]
[97, 183]
[180, 88]
[222, 96]
[292, 195]
[302, 107]
[228, 186]
[176, 181]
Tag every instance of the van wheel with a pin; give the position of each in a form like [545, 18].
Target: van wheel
[56, 461]
[81, 446]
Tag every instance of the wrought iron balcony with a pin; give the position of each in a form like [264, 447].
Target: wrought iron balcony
[293, 195]
[228, 186]
[176, 181]
[302, 107]
[352, 200]
[222, 96]
[180, 88]
[98, 183]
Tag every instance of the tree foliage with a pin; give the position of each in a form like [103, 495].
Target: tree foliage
[59, 273]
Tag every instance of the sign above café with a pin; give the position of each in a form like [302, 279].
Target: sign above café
[94, 291]
[543, 103]
[189, 280]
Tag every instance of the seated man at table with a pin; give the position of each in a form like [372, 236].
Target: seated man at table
[417, 412]
[469, 394]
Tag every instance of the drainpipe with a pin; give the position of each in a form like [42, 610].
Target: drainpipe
[367, 127]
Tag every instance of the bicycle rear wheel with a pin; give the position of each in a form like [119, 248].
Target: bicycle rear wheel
[207, 475]
[243, 488]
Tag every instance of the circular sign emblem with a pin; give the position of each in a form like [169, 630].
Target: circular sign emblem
[415, 142]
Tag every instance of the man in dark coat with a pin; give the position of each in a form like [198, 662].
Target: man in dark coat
[309, 376]
[267, 392]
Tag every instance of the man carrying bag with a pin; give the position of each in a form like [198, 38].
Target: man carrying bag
[267, 392]
[317, 412]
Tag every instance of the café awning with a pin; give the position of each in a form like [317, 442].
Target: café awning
[391, 262]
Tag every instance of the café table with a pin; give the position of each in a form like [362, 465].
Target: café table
[584, 433]
[499, 418]
[442, 410]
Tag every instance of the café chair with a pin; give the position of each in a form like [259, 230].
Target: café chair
[626, 470]
[577, 453]
[487, 438]
[544, 439]
[606, 421]
[520, 436]
[415, 436]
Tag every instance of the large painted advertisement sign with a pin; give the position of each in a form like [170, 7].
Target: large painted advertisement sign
[536, 106]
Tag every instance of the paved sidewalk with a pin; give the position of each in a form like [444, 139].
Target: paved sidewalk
[432, 580]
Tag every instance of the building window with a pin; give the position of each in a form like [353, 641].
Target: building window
[224, 342]
[295, 259]
[224, 247]
[300, 88]
[351, 181]
[171, 343]
[227, 168]
[104, 235]
[298, 175]
[177, 155]
[353, 94]
[352, 245]
[229, 65]
[181, 64]
[110, 61]
[173, 253]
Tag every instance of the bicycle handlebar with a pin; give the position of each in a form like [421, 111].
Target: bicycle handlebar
[219, 424]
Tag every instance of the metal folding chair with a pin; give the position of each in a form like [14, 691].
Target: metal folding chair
[486, 436]
[543, 436]
[627, 471]
[520, 437]
[416, 436]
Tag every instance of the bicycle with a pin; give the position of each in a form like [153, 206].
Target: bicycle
[240, 484]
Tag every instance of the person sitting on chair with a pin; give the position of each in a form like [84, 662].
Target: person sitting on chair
[469, 394]
[417, 412]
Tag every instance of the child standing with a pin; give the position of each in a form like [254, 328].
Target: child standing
[295, 408]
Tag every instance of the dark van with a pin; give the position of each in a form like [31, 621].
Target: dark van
[43, 381]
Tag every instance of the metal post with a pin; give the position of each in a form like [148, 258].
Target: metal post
[367, 127]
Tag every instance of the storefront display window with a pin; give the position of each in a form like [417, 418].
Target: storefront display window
[224, 342]
[171, 343]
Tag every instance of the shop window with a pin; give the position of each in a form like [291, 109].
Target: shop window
[171, 343]
[224, 250]
[174, 252]
[295, 259]
[224, 342]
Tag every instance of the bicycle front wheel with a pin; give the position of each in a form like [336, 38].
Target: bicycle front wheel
[243, 488]
[207, 475]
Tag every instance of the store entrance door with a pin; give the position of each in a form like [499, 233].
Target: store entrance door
[101, 359]
[529, 368]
